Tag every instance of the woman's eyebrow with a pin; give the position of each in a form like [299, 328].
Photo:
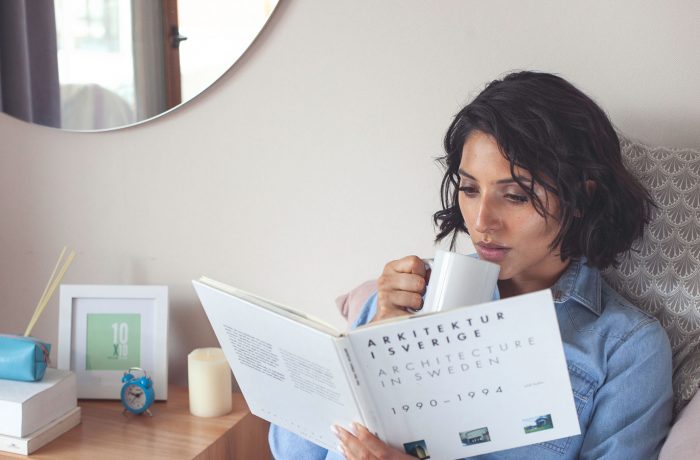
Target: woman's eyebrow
[508, 180]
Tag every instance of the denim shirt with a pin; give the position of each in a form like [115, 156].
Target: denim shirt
[619, 361]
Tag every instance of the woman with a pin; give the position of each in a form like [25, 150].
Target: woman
[534, 176]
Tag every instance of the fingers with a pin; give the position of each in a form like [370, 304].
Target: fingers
[401, 282]
[350, 446]
[400, 287]
[364, 445]
[408, 264]
[372, 443]
[390, 300]
[406, 274]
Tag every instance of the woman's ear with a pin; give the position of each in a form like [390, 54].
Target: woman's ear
[590, 186]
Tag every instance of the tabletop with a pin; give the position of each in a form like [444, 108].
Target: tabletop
[105, 433]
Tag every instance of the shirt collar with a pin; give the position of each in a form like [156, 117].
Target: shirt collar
[581, 283]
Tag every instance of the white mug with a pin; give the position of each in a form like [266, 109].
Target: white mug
[457, 280]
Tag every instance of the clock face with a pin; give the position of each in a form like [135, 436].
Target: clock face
[134, 397]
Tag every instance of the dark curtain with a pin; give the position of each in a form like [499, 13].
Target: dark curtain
[149, 58]
[29, 87]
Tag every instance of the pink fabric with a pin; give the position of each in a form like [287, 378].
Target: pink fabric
[684, 439]
[351, 304]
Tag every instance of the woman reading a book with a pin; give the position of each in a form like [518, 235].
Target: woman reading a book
[534, 176]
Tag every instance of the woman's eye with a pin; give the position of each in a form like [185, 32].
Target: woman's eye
[468, 190]
[517, 198]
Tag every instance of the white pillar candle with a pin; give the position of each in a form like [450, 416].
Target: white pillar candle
[209, 380]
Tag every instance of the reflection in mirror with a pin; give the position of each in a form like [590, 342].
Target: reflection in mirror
[102, 64]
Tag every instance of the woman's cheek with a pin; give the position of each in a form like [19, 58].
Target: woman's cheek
[466, 211]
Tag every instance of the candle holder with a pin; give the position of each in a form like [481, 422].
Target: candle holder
[209, 381]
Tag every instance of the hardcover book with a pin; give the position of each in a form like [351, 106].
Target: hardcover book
[42, 436]
[452, 384]
[28, 406]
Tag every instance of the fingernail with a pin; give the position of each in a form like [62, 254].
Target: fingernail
[335, 431]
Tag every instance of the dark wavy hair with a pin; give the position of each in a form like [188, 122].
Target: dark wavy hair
[545, 125]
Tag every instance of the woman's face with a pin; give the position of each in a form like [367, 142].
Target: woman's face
[504, 226]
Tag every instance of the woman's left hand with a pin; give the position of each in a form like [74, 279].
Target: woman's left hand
[364, 445]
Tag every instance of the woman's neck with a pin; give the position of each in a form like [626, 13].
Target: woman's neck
[522, 284]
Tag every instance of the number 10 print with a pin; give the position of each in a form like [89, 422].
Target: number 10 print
[113, 341]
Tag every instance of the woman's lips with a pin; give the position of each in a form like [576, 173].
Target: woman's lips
[491, 253]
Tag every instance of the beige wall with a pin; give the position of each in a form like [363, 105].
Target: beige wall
[308, 166]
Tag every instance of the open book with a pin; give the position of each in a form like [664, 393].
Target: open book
[452, 384]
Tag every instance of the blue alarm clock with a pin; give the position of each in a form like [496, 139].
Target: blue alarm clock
[137, 392]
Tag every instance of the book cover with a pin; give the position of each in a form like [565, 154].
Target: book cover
[41, 437]
[28, 406]
[452, 384]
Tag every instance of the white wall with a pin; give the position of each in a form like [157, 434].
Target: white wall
[308, 166]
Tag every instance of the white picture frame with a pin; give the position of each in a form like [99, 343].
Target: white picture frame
[103, 330]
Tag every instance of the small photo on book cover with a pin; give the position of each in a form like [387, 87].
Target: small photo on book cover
[476, 436]
[539, 423]
[417, 449]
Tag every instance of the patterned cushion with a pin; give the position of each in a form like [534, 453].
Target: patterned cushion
[662, 273]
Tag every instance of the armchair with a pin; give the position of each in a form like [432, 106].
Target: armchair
[661, 275]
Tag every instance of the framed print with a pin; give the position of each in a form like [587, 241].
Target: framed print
[105, 330]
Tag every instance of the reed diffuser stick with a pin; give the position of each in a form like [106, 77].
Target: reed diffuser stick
[46, 289]
[45, 300]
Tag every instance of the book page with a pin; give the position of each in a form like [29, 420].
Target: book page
[471, 380]
[283, 310]
[289, 372]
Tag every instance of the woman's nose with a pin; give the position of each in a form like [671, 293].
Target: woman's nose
[487, 218]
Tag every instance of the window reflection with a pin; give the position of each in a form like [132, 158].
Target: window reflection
[100, 64]
[95, 45]
[97, 25]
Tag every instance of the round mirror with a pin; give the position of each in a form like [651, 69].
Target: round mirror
[87, 65]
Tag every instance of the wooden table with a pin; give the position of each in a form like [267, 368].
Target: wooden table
[172, 433]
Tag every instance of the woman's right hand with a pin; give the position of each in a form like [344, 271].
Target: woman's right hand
[401, 287]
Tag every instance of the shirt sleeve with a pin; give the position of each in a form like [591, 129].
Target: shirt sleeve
[287, 445]
[367, 313]
[633, 409]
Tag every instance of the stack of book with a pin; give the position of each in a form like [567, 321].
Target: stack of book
[36, 413]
